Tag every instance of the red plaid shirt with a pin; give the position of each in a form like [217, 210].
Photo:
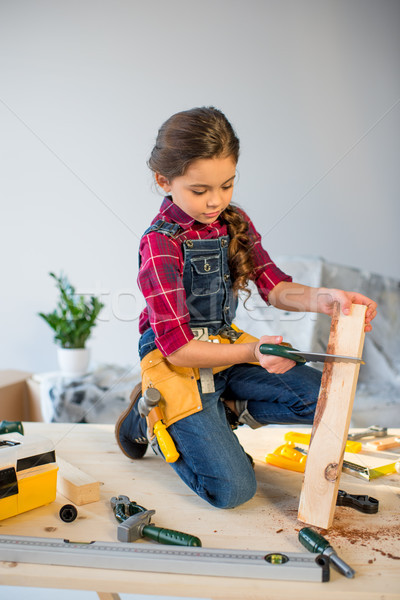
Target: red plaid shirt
[161, 275]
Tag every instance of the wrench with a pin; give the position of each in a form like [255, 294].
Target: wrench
[373, 431]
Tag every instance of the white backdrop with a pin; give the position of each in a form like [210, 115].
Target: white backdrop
[311, 86]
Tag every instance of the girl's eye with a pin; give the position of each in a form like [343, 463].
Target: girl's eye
[227, 187]
[197, 193]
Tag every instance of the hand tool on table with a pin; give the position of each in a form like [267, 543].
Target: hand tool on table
[386, 444]
[223, 562]
[373, 431]
[149, 407]
[287, 456]
[363, 503]
[134, 523]
[285, 350]
[291, 457]
[11, 426]
[305, 438]
[314, 542]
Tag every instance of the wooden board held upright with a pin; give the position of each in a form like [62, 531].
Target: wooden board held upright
[332, 420]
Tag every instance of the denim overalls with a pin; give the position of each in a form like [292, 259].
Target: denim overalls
[212, 462]
[210, 300]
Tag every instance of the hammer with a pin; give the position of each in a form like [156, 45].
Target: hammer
[138, 525]
[148, 406]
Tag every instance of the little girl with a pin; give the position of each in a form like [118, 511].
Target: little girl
[199, 252]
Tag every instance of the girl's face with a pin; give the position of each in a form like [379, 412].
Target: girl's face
[205, 190]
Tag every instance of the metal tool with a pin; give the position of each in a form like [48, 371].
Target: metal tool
[11, 427]
[363, 503]
[135, 523]
[365, 472]
[291, 457]
[286, 351]
[314, 542]
[148, 406]
[361, 471]
[373, 431]
[249, 564]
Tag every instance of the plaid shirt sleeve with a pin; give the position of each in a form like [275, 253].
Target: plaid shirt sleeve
[266, 274]
[160, 281]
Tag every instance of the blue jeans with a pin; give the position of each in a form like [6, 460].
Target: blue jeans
[212, 462]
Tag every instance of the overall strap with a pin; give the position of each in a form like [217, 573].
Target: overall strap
[169, 229]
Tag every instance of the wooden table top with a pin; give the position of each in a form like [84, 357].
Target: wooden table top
[368, 543]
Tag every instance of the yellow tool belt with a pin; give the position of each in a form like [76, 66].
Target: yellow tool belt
[178, 385]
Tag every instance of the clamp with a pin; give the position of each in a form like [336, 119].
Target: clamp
[363, 503]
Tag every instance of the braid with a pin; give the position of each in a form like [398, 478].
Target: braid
[240, 256]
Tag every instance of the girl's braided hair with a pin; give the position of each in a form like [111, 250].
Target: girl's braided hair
[197, 134]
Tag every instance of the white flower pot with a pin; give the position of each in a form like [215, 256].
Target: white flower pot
[73, 362]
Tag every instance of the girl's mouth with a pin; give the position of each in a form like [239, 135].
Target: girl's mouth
[213, 214]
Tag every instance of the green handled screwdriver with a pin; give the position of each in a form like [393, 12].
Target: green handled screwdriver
[314, 542]
[11, 426]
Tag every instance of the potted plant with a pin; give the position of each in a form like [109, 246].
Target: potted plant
[72, 321]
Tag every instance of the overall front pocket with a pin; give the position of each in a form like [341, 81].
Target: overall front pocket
[206, 274]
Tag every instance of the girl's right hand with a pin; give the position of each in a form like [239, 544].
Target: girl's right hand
[271, 363]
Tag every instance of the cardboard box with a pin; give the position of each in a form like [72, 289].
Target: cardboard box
[19, 396]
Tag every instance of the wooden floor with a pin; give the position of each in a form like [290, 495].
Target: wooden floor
[369, 543]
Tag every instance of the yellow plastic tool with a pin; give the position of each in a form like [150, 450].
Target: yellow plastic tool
[287, 457]
[165, 442]
[304, 438]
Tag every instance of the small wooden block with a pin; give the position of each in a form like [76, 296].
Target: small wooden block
[385, 444]
[74, 484]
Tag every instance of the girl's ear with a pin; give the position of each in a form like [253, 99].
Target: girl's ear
[163, 182]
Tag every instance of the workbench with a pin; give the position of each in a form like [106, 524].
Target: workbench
[369, 543]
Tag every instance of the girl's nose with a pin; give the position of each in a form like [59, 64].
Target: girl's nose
[214, 200]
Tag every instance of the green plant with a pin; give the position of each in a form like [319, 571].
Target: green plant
[74, 317]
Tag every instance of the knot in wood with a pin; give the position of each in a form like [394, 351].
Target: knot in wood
[332, 472]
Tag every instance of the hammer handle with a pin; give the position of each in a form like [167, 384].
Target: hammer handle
[165, 442]
[169, 536]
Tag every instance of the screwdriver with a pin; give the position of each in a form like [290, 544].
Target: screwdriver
[11, 426]
[314, 542]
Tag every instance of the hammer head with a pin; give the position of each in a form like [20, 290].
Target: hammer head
[131, 529]
[149, 400]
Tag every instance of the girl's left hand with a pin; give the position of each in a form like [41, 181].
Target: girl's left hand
[327, 298]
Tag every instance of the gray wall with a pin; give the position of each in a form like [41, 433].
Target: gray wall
[311, 86]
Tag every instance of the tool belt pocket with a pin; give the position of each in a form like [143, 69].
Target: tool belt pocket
[177, 386]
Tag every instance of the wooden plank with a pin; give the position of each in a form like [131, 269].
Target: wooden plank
[74, 484]
[332, 420]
